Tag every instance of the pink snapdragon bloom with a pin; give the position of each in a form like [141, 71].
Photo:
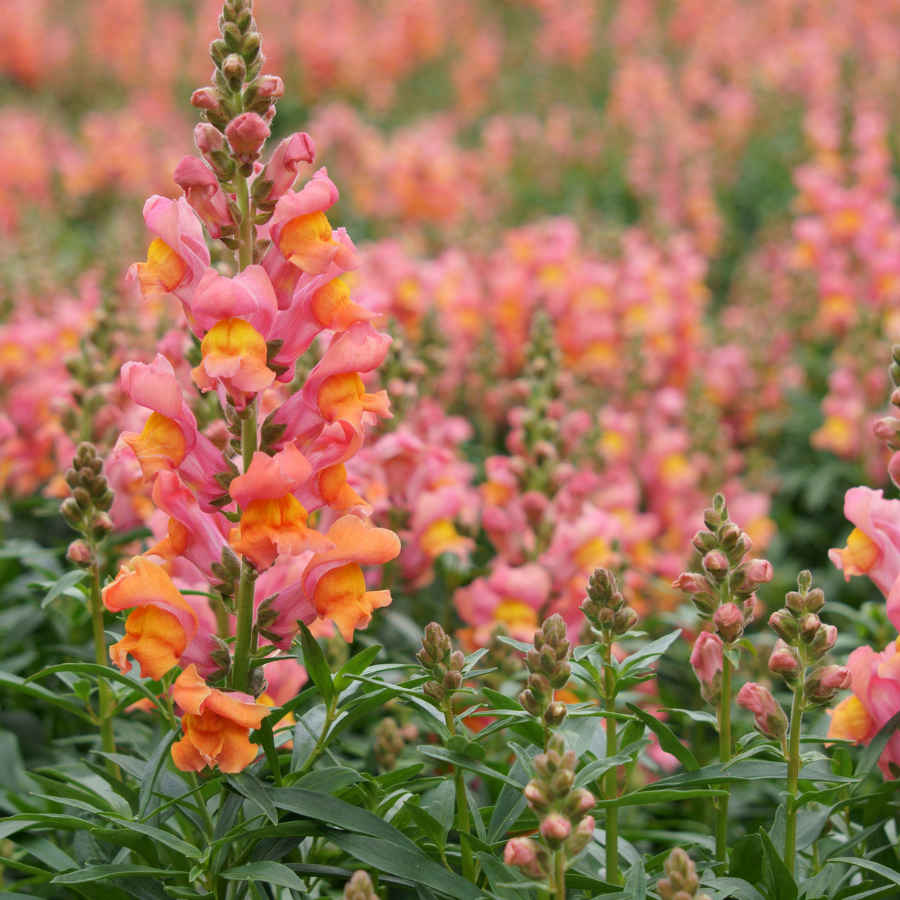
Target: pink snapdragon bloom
[873, 547]
[510, 596]
[178, 257]
[205, 196]
[875, 699]
[170, 440]
[273, 521]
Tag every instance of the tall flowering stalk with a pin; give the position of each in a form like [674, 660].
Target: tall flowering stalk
[722, 593]
[240, 515]
[803, 639]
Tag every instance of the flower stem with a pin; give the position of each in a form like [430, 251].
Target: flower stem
[559, 874]
[201, 805]
[724, 757]
[793, 776]
[101, 655]
[462, 804]
[245, 253]
[611, 787]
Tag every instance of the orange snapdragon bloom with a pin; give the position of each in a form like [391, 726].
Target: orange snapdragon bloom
[273, 520]
[162, 624]
[335, 582]
[216, 725]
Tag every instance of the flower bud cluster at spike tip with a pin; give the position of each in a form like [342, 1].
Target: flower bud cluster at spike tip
[547, 662]
[87, 510]
[389, 743]
[561, 809]
[360, 887]
[723, 591]
[445, 665]
[605, 607]
[681, 881]
[768, 717]
[804, 638]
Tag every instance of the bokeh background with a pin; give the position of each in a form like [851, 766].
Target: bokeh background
[631, 253]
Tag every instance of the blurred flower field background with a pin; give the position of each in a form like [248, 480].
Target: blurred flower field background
[630, 254]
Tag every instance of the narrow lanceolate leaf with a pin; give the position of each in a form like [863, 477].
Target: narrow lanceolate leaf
[316, 664]
[270, 872]
[869, 866]
[70, 579]
[667, 739]
[40, 693]
[247, 786]
[96, 873]
[464, 762]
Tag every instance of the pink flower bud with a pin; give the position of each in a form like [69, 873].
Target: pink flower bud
[284, 165]
[760, 571]
[824, 640]
[270, 86]
[691, 583]
[523, 853]
[716, 564]
[823, 684]
[555, 829]
[208, 138]
[783, 623]
[729, 622]
[706, 659]
[204, 195]
[785, 661]
[768, 717]
[205, 98]
[80, 553]
[580, 836]
[246, 134]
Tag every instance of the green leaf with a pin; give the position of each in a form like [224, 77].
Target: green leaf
[316, 665]
[306, 735]
[463, 762]
[70, 579]
[155, 765]
[163, 837]
[777, 878]
[598, 767]
[502, 878]
[404, 863]
[112, 870]
[869, 866]
[443, 805]
[107, 673]
[738, 888]
[330, 779]
[356, 665]
[746, 858]
[426, 823]
[41, 693]
[667, 739]
[645, 796]
[651, 652]
[270, 872]
[509, 806]
[247, 786]
[636, 882]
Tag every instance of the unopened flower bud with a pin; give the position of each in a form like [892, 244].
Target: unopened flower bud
[71, 511]
[784, 625]
[625, 620]
[728, 535]
[234, 70]
[452, 681]
[759, 571]
[433, 689]
[206, 98]
[530, 703]
[691, 583]
[704, 541]
[729, 622]
[822, 685]
[707, 662]
[562, 782]
[581, 836]
[785, 661]
[768, 717]
[716, 565]
[101, 525]
[555, 829]
[808, 626]
[555, 714]
[795, 601]
[823, 641]
[524, 854]
[279, 175]
[80, 553]
[360, 887]
[815, 600]
[712, 519]
[578, 803]
[246, 134]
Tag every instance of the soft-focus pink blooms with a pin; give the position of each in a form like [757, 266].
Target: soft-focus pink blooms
[246, 134]
[768, 717]
[204, 194]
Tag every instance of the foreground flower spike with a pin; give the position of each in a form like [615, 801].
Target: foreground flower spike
[444, 664]
[605, 607]
[548, 664]
[216, 725]
[562, 810]
[681, 881]
[803, 639]
[722, 593]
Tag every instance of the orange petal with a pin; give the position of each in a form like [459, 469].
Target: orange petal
[333, 309]
[307, 242]
[860, 554]
[269, 528]
[234, 350]
[190, 691]
[174, 543]
[237, 752]
[851, 721]
[160, 447]
[341, 596]
[155, 638]
[163, 271]
[336, 492]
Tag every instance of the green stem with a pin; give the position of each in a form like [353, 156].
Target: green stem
[245, 253]
[724, 757]
[101, 655]
[462, 803]
[321, 743]
[559, 874]
[793, 776]
[201, 806]
[611, 787]
[243, 642]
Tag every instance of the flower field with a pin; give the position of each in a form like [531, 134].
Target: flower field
[477, 479]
